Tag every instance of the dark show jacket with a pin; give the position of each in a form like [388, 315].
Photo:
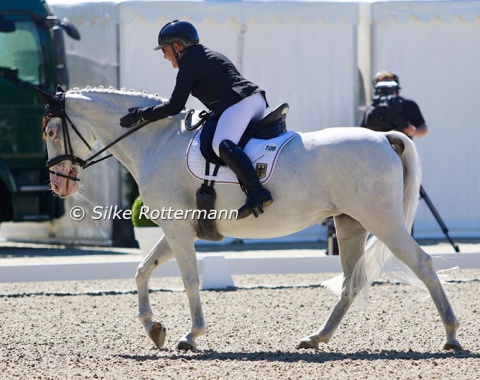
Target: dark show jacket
[210, 77]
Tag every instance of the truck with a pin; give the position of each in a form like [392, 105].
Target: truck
[32, 56]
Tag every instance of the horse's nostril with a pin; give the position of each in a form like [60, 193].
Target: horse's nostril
[55, 187]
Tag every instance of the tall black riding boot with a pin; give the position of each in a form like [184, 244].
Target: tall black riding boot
[257, 196]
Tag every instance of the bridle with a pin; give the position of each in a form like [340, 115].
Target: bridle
[56, 109]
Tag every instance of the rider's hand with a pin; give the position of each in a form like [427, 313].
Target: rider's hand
[131, 118]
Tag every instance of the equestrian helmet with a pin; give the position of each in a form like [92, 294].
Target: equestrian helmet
[177, 31]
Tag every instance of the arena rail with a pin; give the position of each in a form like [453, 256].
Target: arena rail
[215, 270]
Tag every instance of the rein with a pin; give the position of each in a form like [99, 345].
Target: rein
[58, 110]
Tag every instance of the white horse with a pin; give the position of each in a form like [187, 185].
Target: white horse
[368, 181]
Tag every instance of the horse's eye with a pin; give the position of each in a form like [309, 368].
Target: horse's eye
[51, 133]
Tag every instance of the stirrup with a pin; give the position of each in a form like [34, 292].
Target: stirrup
[249, 208]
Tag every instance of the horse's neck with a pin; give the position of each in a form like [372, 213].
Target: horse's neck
[102, 112]
[145, 149]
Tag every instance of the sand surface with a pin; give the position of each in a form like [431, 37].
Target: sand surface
[89, 330]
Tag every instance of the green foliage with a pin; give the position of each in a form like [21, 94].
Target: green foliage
[131, 188]
[136, 220]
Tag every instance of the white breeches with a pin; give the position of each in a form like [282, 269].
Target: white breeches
[234, 120]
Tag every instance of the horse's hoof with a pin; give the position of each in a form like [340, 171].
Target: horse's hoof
[307, 344]
[183, 345]
[453, 346]
[158, 333]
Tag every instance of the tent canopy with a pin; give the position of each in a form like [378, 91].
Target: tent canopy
[309, 54]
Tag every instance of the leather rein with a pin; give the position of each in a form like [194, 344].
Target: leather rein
[57, 109]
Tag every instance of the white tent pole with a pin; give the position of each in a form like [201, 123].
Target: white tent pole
[241, 46]
[365, 51]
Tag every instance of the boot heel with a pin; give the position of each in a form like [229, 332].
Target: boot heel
[267, 203]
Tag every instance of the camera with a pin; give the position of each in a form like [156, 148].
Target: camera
[389, 87]
[386, 112]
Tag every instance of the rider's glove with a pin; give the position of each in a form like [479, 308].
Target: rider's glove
[133, 117]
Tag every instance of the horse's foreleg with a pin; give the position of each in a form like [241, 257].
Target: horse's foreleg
[351, 238]
[184, 251]
[160, 254]
[409, 252]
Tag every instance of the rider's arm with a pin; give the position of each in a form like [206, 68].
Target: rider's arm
[178, 99]
[417, 126]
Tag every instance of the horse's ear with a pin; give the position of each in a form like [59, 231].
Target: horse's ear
[47, 98]
[60, 89]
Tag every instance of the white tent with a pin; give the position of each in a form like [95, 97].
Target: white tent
[433, 47]
[308, 54]
[280, 46]
[94, 59]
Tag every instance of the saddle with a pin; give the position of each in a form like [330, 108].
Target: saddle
[269, 127]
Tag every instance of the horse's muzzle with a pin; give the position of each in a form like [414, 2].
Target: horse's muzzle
[63, 179]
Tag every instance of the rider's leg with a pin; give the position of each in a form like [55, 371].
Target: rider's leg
[257, 196]
[234, 120]
[230, 128]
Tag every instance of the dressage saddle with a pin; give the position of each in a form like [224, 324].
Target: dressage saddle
[269, 127]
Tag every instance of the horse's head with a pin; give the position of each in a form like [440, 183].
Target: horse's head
[74, 120]
[65, 145]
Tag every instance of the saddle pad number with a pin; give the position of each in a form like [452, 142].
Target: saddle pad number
[270, 148]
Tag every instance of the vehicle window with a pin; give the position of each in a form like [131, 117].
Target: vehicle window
[21, 56]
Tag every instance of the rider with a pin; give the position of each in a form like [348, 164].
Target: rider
[215, 81]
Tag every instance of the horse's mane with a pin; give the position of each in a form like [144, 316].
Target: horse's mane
[113, 90]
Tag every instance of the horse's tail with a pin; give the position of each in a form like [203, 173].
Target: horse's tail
[412, 180]
[377, 257]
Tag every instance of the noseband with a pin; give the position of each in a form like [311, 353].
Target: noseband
[56, 108]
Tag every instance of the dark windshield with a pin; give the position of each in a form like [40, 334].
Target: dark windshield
[21, 53]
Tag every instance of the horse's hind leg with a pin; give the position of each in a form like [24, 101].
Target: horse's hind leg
[409, 252]
[157, 256]
[351, 240]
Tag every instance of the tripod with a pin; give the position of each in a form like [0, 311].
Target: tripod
[332, 243]
[424, 196]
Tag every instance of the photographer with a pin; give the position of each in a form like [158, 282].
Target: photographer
[389, 111]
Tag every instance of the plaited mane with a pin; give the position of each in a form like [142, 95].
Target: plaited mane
[113, 90]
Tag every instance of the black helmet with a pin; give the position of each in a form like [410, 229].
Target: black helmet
[177, 31]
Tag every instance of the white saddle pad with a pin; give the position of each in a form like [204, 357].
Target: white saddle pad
[262, 153]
